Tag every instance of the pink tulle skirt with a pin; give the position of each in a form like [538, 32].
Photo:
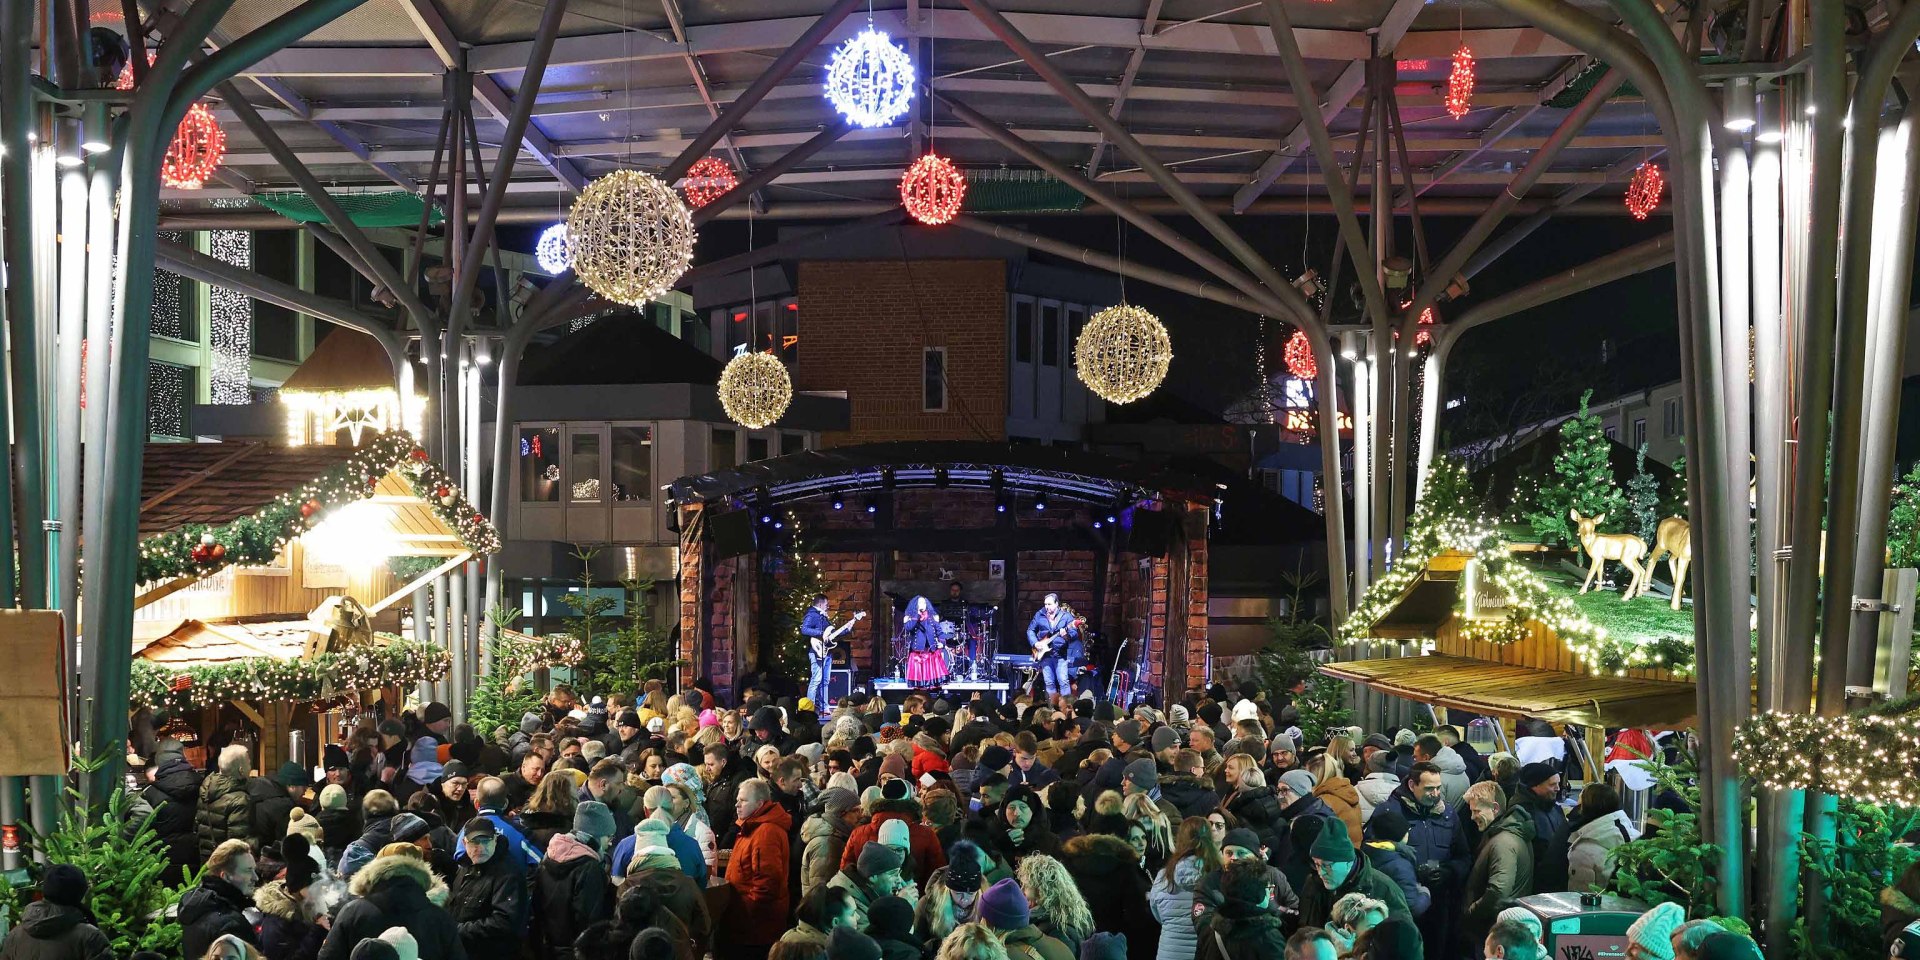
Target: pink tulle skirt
[926, 666]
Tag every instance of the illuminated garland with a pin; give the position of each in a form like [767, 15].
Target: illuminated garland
[1864, 757]
[200, 550]
[394, 662]
[1459, 98]
[518, 654]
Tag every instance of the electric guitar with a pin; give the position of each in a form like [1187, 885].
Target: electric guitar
[830, 639]
[1044, 645]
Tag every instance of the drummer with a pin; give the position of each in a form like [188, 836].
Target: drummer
[954, 609]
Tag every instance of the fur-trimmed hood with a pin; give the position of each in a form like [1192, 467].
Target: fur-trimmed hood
[273, 900]
[1893, 899]
[909, 807]
[385, 868]
[1100, 845]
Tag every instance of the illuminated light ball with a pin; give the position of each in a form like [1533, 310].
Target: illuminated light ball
[551, 250]
[1643, 191]
[1459, 97]
[629, 236]
[755, 389]
[198, 144]
[933, 189]
[125, 80]
[708, 180]
[870, 80]
[1123, 353]
[1425, 337]
[1299, 356]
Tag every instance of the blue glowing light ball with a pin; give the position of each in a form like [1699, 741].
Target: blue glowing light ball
[870, 80]
[551, 251]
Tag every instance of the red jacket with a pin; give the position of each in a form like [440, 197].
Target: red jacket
[758, 873]
[927, 853]
[927, 761]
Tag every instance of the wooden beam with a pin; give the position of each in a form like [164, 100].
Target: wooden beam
[418, 582]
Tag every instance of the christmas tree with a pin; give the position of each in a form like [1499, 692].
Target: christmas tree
[1643, 498]
[1674, 502]
[799, 580]
[1582, 480]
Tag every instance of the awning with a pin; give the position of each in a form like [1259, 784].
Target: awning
[1496, 689]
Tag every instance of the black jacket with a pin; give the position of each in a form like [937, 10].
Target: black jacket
[1259, 809]
[1240, 932]
[271, 807]
[50, 932]
[1109, 876]
[210, 911]
[174, 795]
[285, 932]
[571, 890]
[392, 892]
[337, 829]
[1192, 796]
[490, 905]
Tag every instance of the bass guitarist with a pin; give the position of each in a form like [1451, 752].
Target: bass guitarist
[1053, 631]
[822, 636]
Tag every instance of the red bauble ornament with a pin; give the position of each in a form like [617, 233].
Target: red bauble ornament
[217, 552]
[198, 144]
[420, 455]
[707, 180]
[310, 508]
[1459, 97]
[1643, 192]
[201, 553]
[1299, 356]
[932, 190]
[442, 490]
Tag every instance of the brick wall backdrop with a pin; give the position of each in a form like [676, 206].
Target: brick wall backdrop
[863, 328]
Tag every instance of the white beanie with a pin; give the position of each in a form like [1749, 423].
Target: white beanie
[894, 833]
[1245, 710]
[402, 942]
[1653, 932]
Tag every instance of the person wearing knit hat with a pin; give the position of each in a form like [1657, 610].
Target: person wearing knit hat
[994, 758]
[875, 873]
[63, 886]
[1245, 710]
[894, 835]
[302, 823]
[1300, 782]
[373, 948]
[963, 872]
[1104, 946]
[1164, 739]
[1738, 946]
[571, 886]
[404, 945]
[1140, 776]
[1126, 734]
[1241, 843]
[847, 943]
[333, 797]
[890, 924]
[1651, 936]
[1338, 870]
[1004, 906]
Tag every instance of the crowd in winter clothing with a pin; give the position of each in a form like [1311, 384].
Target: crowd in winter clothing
[655, 827]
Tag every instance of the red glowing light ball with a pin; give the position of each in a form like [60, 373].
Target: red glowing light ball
[196, 150]
[708, 180]
[1425, 337]
[1643, 192]
[125, 80]
[1299, 357]
[932, 190]
[1459, 98]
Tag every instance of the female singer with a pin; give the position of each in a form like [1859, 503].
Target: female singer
[926, 655]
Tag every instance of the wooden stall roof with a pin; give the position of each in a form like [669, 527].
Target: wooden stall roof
[345, 361]
[1427, 602]
[216, 483]
[1507, 690]
[198, 643]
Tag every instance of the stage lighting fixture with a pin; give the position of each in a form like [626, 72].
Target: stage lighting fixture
[1096, 523]
[766, 517]
[886, 479]
[1040, 502]
[872, 505]
[940, 477]
[838, 502]
[1000, 504]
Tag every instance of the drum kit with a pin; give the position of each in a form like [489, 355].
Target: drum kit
[970, 645]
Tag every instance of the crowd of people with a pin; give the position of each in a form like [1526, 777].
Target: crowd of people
[652, 827]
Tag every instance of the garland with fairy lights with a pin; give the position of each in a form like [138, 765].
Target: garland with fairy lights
[517, 654]
[201, 550]
[393, 662]
[1869, 757]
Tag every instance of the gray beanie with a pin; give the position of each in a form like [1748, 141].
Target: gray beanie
[1299, 781]
[1143, 774]
[1281, 741]
[1164, 737]
[836, 801]
[592, 819]
[1128, 730]
[876, 859]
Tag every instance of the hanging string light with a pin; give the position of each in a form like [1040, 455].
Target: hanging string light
[1643, 191]
[870, 80]
[707, 180]
[629, 237]
[1459, 98]
[1123, 353]
[125, 80]
[551, 250]
[1425, 336]
[1299, 356]
[755, 389]
[198, 144]
[933, 189]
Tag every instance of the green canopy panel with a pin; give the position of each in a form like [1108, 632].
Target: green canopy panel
[1019, 191]
[389, 208]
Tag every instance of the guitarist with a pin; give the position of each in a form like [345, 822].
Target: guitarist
[1053, 629]
[822, 637]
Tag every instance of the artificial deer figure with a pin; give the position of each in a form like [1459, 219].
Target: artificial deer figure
[1674, 540]
[1624, 547]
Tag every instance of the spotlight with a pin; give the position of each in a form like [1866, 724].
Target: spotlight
[1739, 117]
[766, 517]
[1040, 502]
[997, 481]
[1770, 129]
[838, 502]
[940, 478]
[1000, 504]
[1096, 524]
[778, 524]
[1397, 269]
[872, 506]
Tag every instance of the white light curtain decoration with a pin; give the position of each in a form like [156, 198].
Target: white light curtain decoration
[230, 322]
[630, 237]
[869, 80]
[317, 417]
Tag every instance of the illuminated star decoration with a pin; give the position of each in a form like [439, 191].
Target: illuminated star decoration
[198, 144]
[869, 80]
[708, 180]
[1643, 192]
[932, 190]
[551, 250]
[1299, 357]
[1459, 98]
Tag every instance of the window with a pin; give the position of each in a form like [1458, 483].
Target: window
[792, 443]
[1639, 433]
[1670, 418]
[539, 464]
[632, 464]
[933, 379]
[276, 331]
[1612, 432]
[1023, 331]
[724, 450]
[1049, 334]
[756, 448]
[583, 467]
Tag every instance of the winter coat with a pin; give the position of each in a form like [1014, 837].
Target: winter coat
[1039, 778]
[394, 892]
[1242, 932]
[1208, 900]
[543, 827]
[928, 757]
[1109, 876]
[490, 905]
[1549, 840]
[1259, 809]
[1374, 790]
[571, 890]
[225, 813]
[758, 873]
[1454, 779]
[337, 829]
[212, 910]
[927, 855]
[1395, 860]
[859, 892]
[1173, 907]
[894, 949]
[271, 807]
[684, 848]
[677, 894]
[807, 939]
[1436, 836]
[1502, 871]
[49, 931]
[286, 933]
[359, 853]
[1588, 847]
[174, 795]
[1899, 905]
[1341, 798]
[1316, 901]
[823, 840]
[1028, 943]
[1192, 796]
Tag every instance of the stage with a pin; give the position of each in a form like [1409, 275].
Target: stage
[872, 527]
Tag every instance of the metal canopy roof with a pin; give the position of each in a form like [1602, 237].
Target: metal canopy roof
[1197, 81]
